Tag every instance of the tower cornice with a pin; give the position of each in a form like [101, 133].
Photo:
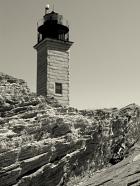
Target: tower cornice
[54, 42]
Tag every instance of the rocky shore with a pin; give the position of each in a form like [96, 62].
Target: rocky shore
[45, 144]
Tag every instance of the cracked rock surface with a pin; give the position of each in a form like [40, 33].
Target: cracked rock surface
[124, 173]
[45, 144]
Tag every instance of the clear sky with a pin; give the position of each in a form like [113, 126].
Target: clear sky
[105, 57]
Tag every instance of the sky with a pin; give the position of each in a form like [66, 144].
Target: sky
[105, 57]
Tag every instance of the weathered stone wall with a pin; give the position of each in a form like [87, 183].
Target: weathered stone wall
[42, 70]
[53, 67]
[58, 72]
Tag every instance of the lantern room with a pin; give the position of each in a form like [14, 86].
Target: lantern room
[53, 27]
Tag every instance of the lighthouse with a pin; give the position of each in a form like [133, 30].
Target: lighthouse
[52, 48]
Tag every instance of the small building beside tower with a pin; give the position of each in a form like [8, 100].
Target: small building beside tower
[53, 57]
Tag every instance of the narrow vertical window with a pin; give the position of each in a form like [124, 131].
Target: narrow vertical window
[58, 88]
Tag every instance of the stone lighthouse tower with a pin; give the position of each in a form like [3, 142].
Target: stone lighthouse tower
[53, 57]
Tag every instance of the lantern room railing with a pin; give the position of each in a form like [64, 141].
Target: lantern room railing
[60, 20]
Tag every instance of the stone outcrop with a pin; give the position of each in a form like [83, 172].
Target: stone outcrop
[45, 144]
[125, 173]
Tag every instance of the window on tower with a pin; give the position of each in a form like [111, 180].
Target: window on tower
[58, 88]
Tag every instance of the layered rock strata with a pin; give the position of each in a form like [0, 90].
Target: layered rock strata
[45, 144]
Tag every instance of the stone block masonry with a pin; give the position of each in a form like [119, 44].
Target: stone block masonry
[52, 68]
[41, 72]
[58, 72]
